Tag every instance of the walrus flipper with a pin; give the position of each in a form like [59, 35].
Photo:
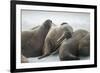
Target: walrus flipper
[68, 57]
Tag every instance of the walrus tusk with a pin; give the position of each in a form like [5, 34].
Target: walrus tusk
[61, 38]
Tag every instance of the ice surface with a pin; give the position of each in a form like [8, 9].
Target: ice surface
[51, 58]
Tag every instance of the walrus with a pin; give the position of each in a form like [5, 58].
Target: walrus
[50, 44]
[32, 41]
[23, 59]
[84, 46]
[69, 49]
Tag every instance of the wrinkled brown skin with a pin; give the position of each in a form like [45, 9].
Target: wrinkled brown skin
[32, 41]
[53, 35]
[23, 59]
[84, 46]
[69, 49]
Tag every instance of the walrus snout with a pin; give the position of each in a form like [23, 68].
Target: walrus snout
[68, 35]
[65, 35]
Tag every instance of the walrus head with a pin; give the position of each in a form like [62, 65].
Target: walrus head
[47, 23]
[68, 34]
[68, 30]
[66, 27]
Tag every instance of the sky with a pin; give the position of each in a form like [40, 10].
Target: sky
[32, 18]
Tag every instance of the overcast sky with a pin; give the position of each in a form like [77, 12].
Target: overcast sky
[31, 18]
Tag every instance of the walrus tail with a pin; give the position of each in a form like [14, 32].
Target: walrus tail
[43, 56]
